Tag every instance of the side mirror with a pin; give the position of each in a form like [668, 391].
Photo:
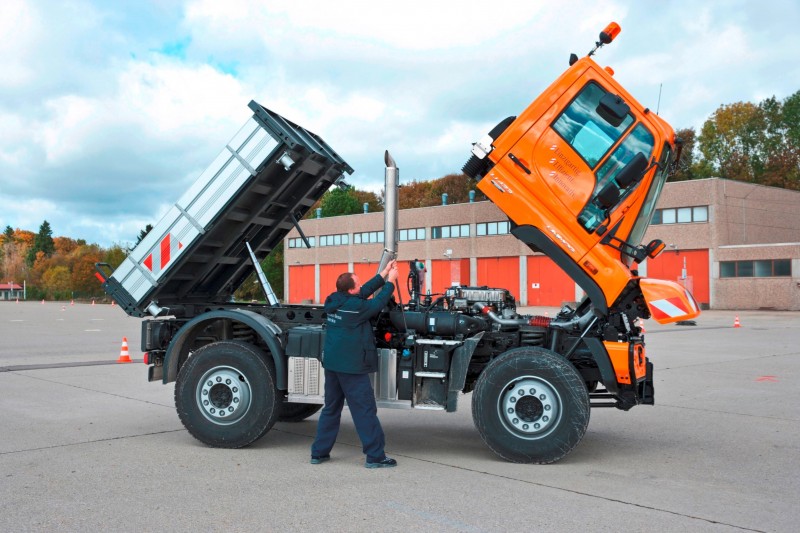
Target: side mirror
[654, 248]
[608, 196]
[633, 171]
[612, 109]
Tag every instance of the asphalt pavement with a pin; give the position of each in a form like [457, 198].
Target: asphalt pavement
[89, 444]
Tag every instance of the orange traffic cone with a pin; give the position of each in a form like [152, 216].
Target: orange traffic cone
[92, 302]
[72, 302]
[124, 357]
[736, 323]
[42, 302]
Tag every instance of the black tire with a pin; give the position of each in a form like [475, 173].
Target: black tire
[230, 377]
[297, 412]
[530, 405]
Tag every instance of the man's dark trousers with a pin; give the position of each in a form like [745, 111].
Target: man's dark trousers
[357, 390]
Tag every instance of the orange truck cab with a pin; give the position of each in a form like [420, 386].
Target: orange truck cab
[578, 173]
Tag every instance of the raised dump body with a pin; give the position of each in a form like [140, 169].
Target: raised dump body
[264, 180]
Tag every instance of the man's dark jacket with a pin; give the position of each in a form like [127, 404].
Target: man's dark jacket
[349, 339]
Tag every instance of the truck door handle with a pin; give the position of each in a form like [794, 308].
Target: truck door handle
[518, 163]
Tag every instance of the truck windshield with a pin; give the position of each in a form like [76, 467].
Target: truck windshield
[643, 220]
[585, 130]
[639, 141]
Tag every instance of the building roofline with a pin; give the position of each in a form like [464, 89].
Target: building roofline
[771, 244]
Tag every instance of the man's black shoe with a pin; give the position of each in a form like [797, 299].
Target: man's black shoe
[386, 462]
[315, 460]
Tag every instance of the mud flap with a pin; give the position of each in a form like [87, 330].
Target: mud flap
[646, 390]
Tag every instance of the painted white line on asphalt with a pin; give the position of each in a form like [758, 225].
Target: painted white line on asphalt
[95, 319]
[93, 330]
[17, 320]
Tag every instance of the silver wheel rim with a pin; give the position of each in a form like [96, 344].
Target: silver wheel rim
[529, 407]
[223, 395]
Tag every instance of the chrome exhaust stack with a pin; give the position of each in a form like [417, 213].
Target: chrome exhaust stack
[390, 213]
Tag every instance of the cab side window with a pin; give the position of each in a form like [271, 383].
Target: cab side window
[589, 134]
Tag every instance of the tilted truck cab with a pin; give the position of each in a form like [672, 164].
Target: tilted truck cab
[578, 173]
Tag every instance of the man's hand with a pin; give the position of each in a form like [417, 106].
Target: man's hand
[389, 266]
[391, 276]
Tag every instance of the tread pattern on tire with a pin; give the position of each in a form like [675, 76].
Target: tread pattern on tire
[560, 373]
[262, 382]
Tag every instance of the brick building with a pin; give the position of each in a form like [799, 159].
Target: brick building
[735, 245]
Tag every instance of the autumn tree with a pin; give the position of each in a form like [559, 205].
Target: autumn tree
[685, 169]
[429, 193]
[758, 143]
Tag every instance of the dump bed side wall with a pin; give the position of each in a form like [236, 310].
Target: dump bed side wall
[269, 174]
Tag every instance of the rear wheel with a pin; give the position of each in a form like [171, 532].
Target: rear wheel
[530, 405]
[297, 412]
[225, 394]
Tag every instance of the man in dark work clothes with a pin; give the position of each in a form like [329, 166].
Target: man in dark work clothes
[349, 356]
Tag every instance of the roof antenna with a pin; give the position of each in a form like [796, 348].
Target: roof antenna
[658, 105]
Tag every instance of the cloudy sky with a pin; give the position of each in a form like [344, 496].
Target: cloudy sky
[109, 110]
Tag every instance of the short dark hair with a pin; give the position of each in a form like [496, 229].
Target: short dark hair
[345, 282]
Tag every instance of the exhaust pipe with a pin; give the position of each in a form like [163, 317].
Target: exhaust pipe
[390, 213]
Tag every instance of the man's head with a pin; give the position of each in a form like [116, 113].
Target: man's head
[348, 282]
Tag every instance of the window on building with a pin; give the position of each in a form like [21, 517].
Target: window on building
[450, 232]
[334, 240]
[299, 243]
[761, 268]
[492, 228]
[368, 237]
[680, 215]
[413, 234]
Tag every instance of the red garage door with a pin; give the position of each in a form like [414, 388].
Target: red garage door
[301, 284]
[365, 271]
[547, 283]
[499, 272]
[444, 273]
[327, 278]
[669, 265]
[402, 280]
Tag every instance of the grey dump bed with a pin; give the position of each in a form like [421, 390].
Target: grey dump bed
[267, 177]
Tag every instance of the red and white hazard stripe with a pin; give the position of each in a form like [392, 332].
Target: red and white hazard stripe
[668, 308]
[161, 256]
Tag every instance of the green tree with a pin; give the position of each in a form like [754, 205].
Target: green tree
[56, 282]
[143, 233]
[115, 255]
[340, 201]
[272, 265]
[42, 242]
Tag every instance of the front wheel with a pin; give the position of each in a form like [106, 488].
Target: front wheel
[530, 405]
[226, 394]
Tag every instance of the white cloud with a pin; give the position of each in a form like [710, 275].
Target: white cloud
[20, 29]
[108, 111]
